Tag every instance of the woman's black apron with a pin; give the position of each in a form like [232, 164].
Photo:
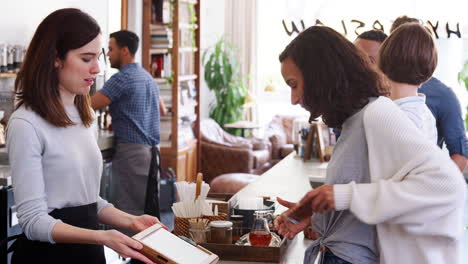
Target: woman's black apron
[85, 216]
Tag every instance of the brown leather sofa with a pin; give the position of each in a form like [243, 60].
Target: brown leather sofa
[223, 153]
[279, 132]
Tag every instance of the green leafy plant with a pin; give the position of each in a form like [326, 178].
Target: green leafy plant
[193, 22]
[463, 77]
[223, 78]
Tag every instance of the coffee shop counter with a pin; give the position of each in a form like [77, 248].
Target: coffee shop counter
[289, 179]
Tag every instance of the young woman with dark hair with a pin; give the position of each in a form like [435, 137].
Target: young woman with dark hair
[382, 172]
[52, 146]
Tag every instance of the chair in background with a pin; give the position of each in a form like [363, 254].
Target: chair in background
[279, 132]
[223, 153]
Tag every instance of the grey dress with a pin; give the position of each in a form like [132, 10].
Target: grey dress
[340, 231]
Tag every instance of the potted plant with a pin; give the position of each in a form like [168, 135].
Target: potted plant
[223, 78]
[463, 77]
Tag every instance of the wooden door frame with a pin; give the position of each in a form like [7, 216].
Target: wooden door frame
[124, 14]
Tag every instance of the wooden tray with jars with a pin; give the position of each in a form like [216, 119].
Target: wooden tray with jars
[247, 252]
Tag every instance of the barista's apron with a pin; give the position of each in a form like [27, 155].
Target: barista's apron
[135, 184]
[85, 216]
[152, 187]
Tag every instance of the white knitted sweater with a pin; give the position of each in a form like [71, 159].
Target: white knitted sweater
[416, 195]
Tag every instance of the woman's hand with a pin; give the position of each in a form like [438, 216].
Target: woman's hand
[319, 200]
[286, 228]
[123, 245]
[140, 223]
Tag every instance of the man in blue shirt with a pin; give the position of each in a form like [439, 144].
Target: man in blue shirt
[133, 99]
[446, 109]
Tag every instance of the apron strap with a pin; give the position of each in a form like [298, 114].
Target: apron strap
[152, 186]
[8, 239]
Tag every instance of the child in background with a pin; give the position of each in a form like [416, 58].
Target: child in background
[408, 57]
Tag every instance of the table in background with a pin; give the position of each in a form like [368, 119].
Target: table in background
[242, 125]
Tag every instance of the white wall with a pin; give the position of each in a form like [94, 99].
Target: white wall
[135, 23]
[212, 29]
[20, 18]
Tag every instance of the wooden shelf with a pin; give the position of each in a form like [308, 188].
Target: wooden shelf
[188, 49]
[181, 153]
[193, 2]
[159, 24]
[7, 75]
[160, 80]
[187, 26]
[183, 78]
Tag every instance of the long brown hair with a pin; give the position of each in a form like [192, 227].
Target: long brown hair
[338, 78]
[37, 85]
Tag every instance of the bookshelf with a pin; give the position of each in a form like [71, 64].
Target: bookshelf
[171, 42]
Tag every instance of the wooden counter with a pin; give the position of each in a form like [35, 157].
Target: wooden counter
[289, 179]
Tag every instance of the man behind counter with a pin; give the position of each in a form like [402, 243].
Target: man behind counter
[132, 96]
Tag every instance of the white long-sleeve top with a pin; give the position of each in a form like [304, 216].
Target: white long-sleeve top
[417, 111]
[52, 168]
[416, 196]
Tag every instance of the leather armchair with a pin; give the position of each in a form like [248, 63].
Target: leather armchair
[223, 153]
[279, 132]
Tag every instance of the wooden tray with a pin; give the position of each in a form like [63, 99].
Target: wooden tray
[248, 253]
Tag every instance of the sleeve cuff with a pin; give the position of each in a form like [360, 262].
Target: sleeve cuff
[101, 204]
[51, 227]
[342, 194]
[107, 93]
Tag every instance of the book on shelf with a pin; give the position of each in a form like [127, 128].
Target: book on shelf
[186, 63]
[189, 86]
[161, 47]
[160, 65]
[164, 85]
[160, 11]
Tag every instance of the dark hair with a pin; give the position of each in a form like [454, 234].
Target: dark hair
[375, 35]
[402, 20]
[409, 55]
[125, 38]
[338, 78]
[37, 83]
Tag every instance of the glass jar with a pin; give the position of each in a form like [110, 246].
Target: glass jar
[237, 229]
[199, 235]
[221, 232]
[260, 234]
